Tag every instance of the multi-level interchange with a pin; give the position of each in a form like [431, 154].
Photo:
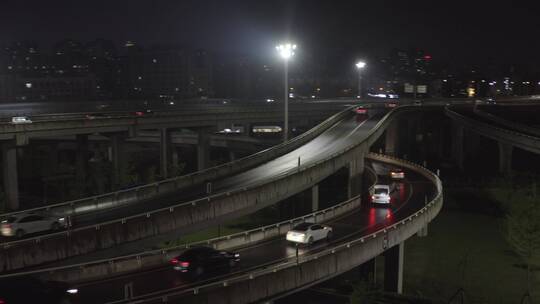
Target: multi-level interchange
[105, 249]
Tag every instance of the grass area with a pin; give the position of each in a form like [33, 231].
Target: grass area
[467, 250]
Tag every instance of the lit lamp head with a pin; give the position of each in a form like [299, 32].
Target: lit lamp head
[360, 65]
[286, 51]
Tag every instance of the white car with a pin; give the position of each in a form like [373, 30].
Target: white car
[20, 120]
[381, 194]
[20, 224]
[308, 233]
[397, 173]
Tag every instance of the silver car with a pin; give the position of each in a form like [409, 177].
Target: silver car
[21, 224]
[307, 233]
[381, 194]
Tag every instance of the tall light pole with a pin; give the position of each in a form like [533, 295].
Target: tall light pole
[286, 51]
[360, 65]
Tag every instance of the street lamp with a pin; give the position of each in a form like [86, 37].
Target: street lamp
[286, 51]
[360, 65]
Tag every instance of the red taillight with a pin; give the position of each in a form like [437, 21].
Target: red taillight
[174, 261]
[6, 226]
[184, 264]
[139, 113]
[2, 301]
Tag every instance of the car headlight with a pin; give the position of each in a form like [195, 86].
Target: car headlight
[72, 291]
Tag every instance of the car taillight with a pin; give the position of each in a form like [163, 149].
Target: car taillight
[2, 301]
[6, 226]
[184, 264]
[174, 261]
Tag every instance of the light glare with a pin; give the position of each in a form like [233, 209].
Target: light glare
[286, 51]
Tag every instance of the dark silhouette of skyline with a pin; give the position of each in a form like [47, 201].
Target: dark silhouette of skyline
[456, 31]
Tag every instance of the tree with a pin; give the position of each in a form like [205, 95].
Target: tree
[523, 234]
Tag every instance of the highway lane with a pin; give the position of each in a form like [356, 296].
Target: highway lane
[331, 141]
[522, 114]
[351, 130]
[409, 196]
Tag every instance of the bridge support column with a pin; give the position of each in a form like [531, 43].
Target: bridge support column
[393, 268]
[356, 169]
[203, 150]
[315, 198]
[10, 175]
[165, 154]
[391, 143]
[82, 159]
[118, 159]
[457, 144]
[368, 270]
[505, 158]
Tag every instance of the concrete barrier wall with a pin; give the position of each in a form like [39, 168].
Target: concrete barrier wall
[127, 196]
[155, 258]
[183, 218]
[520, 140]
[285, 276]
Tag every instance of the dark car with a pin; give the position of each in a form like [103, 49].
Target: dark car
[202, 260]
[25, 290]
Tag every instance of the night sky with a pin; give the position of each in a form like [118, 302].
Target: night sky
[467, 31]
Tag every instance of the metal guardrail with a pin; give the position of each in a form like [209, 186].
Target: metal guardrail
[424, 215]
[523, 141]
[126, 196]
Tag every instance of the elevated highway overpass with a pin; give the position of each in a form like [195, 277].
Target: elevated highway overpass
[287, 275]
[203, 120]
[269, 267]
[507, 134]
[343, 143]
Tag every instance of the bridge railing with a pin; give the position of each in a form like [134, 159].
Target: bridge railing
[145, 192]
[313, 268]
